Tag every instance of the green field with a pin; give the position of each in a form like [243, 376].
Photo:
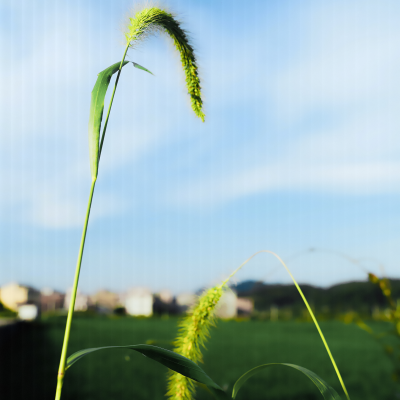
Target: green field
[29, 361]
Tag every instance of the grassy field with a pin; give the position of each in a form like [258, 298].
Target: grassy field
[29, 360]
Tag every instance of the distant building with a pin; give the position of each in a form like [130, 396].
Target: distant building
[165, 296]
[244, 306]
[14, 295]
[51, 300]
[105, 300]
[165, 303]
[82, 302]
[139, 302]
[227, 305]
[186, 300]
[28, 312]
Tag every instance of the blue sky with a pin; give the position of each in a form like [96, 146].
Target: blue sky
[300, 148]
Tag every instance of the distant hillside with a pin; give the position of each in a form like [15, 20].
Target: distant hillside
[357, 296]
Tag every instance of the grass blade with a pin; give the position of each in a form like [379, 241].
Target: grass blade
[327, 391]
[96, 113]
[142, 68]
[168, 358]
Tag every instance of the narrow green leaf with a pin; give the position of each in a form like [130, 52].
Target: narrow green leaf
[96, 113]
[140, 67]
[327, 391]
[172, 360]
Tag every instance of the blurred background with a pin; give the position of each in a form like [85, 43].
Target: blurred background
[299, 154]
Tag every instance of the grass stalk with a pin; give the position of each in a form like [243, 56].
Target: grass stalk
[308, 308]
[61, 369]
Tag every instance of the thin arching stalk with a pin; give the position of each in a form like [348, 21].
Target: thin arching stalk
[308, 308]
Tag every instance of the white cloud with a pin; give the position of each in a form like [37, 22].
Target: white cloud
[44, 112]
[348, 57]
[52, 211]
[343, 81]
[343, 179]
[347, 74]
[368, 135]
[37, 81]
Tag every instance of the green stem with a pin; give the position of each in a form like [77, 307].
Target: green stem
[111, 101]
[61, 369]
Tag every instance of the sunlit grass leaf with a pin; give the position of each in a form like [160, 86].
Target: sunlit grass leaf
[140, 67]
[168, 358]
[96, 113]
[327, 391]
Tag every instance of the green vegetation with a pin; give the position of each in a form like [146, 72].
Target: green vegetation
[194, 331]
[389, 338]
[6, 313]
[361, 297]
[233, 348]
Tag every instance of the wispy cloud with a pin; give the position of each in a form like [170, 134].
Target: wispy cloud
[44, 113]
[333, 107]
[341, 179]
[49, 210]
[300, 98]
[311, 108]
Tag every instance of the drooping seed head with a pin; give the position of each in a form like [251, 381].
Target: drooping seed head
[153, 19]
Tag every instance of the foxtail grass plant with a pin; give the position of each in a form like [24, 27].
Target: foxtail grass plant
[143, 23]
[195, 328]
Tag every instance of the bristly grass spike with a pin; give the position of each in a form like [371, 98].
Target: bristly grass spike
[152, 20]
[193, 332]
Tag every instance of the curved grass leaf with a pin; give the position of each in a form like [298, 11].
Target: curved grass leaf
[328, 392]
[142, 68]
[96, 113]
[172, 360]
